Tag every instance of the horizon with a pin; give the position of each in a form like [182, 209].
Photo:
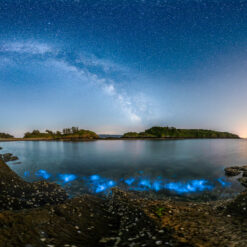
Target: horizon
[107, 133]
[114, 67]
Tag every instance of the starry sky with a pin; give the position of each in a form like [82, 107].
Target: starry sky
[123, 65]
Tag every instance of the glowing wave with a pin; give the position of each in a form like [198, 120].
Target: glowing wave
[97, 184]
[43, 174]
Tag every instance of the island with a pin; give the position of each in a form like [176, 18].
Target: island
[6, 135]
[173, 133]
[73, 133]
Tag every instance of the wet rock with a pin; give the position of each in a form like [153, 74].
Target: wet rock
[243, 168]
[13, 158]
[8, 157]
[232, 171]
[243, 181]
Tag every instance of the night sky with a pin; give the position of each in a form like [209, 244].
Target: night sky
[112, 66]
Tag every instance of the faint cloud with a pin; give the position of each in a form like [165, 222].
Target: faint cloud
[110, 89]
[4, 61]
[93, 61]
[33, 48]
[64, 66]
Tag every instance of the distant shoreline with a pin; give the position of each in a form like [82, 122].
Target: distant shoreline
[111, 139]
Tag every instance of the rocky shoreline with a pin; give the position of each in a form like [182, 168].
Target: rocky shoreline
[41, 214]
[238, 170]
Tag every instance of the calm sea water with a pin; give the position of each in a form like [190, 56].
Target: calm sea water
[187, 168]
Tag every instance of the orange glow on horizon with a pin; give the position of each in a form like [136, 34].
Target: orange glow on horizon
[243, 134]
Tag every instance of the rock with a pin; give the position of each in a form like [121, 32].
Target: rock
[158, 242]
[232, 171]
[243, 181]
[244, 174]
[243, 168]
[238, 205]
[8, 157]
[13, 158]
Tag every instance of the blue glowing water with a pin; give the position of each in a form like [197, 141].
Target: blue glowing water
[181, 167]
[67, 177]
[41, 173]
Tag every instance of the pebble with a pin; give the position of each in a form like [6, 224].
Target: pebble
[158, 242]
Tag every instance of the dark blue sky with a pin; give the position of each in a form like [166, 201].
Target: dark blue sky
[113, 66]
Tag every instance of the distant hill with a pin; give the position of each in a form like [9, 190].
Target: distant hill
[68, 133]
[5, 135]
[171, 132]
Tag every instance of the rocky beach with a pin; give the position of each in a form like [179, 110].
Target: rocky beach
[41, 214]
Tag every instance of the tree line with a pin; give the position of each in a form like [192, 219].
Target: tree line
[171, 132]
[73, 132]
[5, 135]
